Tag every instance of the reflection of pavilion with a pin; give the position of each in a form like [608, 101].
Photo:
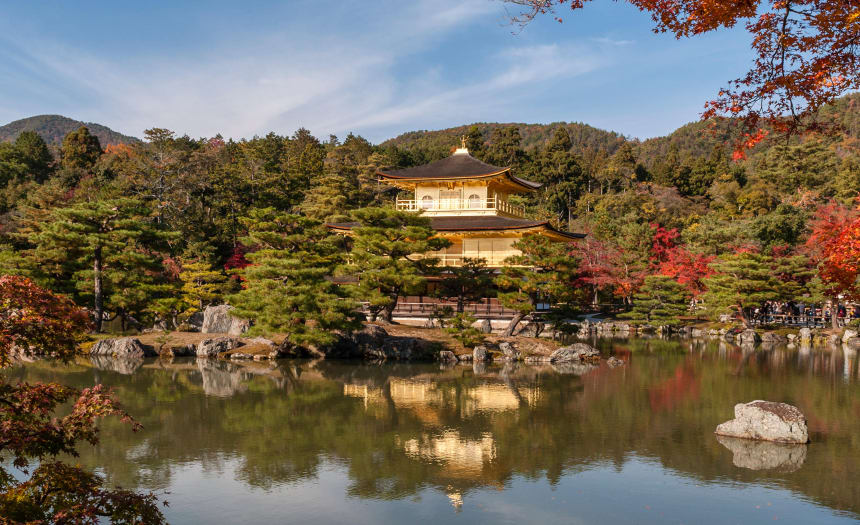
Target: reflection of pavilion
[488, 397]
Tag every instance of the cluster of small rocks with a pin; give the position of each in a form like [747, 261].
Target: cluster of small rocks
[510, 352]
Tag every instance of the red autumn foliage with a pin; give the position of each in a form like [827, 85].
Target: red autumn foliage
[804, 55]
[237, 259]
[662, 243]
[34, 321]
[835, 245]
[688, 268]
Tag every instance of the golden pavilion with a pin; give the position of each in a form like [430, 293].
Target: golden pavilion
[467, 201]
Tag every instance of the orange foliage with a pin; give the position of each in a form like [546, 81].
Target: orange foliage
[805, 54]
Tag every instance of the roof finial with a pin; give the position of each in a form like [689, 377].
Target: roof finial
[462, 149]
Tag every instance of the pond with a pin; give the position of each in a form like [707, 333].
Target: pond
[325, 441]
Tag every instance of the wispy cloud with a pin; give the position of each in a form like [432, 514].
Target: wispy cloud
[336, 85]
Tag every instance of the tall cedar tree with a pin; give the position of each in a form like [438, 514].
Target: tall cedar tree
[659, 302]
[80, 150]
[389, 251]
[36, 321]
[288, 287]
[467, 283]
[110, 248]
[543, 273]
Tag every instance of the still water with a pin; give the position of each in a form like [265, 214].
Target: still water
[346, 442]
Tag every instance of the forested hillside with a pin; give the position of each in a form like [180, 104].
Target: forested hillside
[52, 129]
[165, 220]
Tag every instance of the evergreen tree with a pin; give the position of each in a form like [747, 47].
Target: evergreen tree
[475, 143]
[80, 150]
[389, 252]
[661, 301]
[742, 281]
[467, 283]
[460, 327]
[35, 155]
[287, 288]
[543, 273]
[329, 197]
[109, 249]
[506, 148]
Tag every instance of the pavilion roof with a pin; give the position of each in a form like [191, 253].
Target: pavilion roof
[449, 224]
[458, 166]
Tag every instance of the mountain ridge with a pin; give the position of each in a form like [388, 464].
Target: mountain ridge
[52, 129]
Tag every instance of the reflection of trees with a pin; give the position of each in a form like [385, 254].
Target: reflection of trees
[400, 428]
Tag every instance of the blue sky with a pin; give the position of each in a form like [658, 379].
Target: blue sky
[376, 68]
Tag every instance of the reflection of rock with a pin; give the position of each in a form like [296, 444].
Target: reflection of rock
[764, 455]
[217, 320]
[122, 347]
[766, 420]
[120, 365]
[220, 378]
[572, 368]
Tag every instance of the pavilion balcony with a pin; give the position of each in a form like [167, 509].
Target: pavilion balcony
[492, 260]
[489, 206]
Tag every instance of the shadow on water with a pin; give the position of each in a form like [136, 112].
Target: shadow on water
[402, 428]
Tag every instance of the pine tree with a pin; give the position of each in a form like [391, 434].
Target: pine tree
[467, 283]
[544, 272]
[287, 288]
[460, 327]
[742, 281]
[659, 302]
[109, 250]
[389, 252]
[328, 197]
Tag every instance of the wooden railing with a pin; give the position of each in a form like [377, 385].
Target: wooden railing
[492, 260]
[491, 203]
[479, 310]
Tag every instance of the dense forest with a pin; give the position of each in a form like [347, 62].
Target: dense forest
[164, 222]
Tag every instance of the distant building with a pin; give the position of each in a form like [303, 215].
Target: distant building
[467, 203]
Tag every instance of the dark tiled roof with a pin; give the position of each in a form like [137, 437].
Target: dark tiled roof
[473, 223]
[456, 166]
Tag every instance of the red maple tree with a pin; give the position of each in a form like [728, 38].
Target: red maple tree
[37, 321]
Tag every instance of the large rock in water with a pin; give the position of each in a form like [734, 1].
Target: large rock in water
[480, 354]
[122, 347]
[213, 347]
[749, 337]
[768, 421]
[509, 350]
[217, 320]
[575, 352]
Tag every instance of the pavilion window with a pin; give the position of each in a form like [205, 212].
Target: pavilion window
[426, 202]
[474, 201]
[449, 199]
